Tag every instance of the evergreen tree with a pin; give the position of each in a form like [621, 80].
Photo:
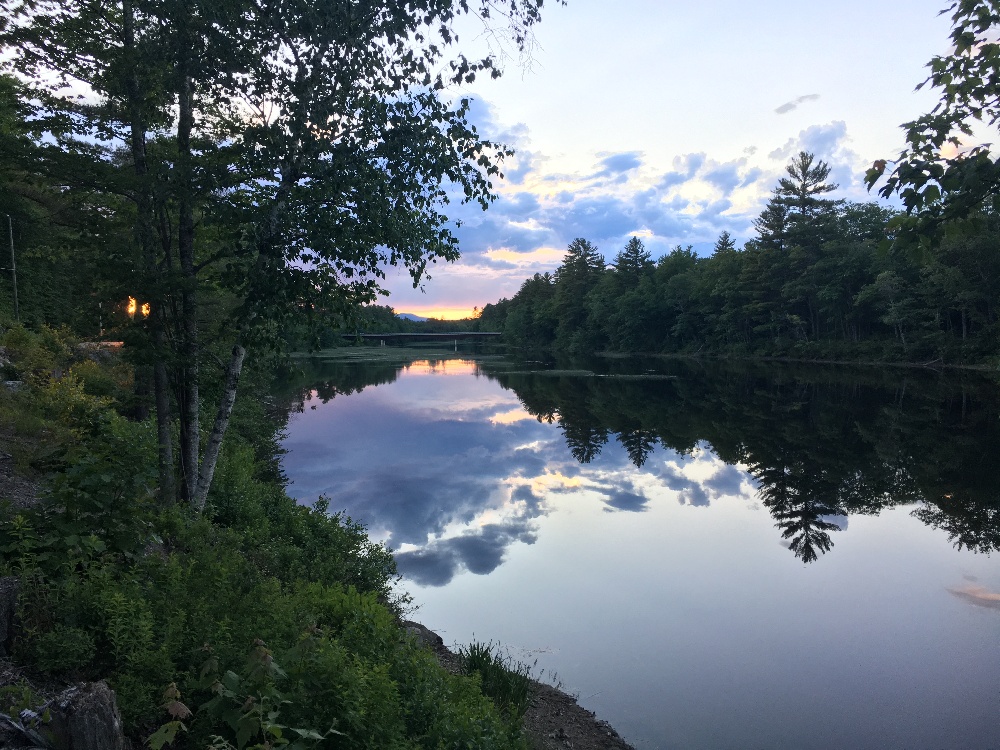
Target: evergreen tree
[633, 261]
[805, 182]
[580, 272]
[724, 244]
[772, 224]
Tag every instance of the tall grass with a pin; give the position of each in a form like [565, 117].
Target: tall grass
[506, 681]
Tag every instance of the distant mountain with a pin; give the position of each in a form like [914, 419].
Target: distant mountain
[411, 316]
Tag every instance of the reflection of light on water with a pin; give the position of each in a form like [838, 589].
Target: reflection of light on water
[554, 480]
[511, 417]
[978, 596]
[441, 367]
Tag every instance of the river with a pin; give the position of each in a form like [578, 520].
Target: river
[710, 555]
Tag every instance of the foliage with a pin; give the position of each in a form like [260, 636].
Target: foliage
[163, 604]
[506, 682]
[253, 167]
[943, 174]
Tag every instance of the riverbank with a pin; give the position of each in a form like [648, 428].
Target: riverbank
[255, 621]
[553, 720]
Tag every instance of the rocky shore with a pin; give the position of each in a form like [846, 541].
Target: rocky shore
[553, 721]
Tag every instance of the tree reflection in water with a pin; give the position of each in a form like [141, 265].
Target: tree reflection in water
[822, 443]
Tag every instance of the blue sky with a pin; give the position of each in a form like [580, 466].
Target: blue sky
[673, 121]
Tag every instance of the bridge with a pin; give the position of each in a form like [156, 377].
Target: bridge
[404, 337]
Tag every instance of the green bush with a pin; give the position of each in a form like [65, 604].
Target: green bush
[64, 649]
[116, 587]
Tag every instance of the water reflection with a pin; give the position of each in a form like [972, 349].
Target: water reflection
[819, 445]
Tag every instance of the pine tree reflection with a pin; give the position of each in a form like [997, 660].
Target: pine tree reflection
[799, 503]
[638, 444]
[821, 443]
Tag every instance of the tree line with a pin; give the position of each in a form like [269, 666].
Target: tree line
[821, 278]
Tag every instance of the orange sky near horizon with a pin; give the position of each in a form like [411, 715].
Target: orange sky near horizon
[437, 311]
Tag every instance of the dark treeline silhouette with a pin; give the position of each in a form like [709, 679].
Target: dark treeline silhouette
[813, 283]
[365, 319]
[327, 380]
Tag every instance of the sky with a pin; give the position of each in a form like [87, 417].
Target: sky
[673, 122]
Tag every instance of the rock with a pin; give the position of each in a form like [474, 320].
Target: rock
[424, 636]
[85, 717]
[9, 588]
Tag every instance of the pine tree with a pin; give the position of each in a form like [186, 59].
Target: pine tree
[634, 260]
[772, 224]
[579, 273]
[725, 244]
[804, 183]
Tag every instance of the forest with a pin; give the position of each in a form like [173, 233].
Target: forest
[190, 188]
[822, 279]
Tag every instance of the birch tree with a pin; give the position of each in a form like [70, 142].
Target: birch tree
[279, 154]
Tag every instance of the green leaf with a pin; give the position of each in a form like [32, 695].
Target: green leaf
[165, 735]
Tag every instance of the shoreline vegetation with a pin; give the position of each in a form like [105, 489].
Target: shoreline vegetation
[259, 623]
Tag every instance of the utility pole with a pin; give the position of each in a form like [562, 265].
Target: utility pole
[13, 267]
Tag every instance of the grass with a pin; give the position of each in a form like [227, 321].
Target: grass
[506, 681]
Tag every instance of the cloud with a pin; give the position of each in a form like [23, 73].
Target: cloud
[411, 493]
[794, 103]
[977, 596]
[618, 164]
[479, 552]
[727, 481]
[822, 140]
[695, 495]
[685, 167]
[723, 481]
[627, 501]
[537, 214]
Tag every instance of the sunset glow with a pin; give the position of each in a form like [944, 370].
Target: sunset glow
[440, 313]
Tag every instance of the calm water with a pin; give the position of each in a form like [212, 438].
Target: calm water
[711, 557]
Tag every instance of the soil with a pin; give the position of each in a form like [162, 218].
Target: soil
[553, 721]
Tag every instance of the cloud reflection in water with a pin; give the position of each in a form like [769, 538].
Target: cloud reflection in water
[451, 477]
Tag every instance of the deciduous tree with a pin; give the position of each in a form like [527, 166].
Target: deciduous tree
[278, 155]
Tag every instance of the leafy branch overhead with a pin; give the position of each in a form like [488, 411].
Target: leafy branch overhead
[944, 174]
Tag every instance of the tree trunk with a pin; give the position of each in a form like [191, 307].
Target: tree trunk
[214, 444]
[146, 215]
[165, 440]
[190, 352]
